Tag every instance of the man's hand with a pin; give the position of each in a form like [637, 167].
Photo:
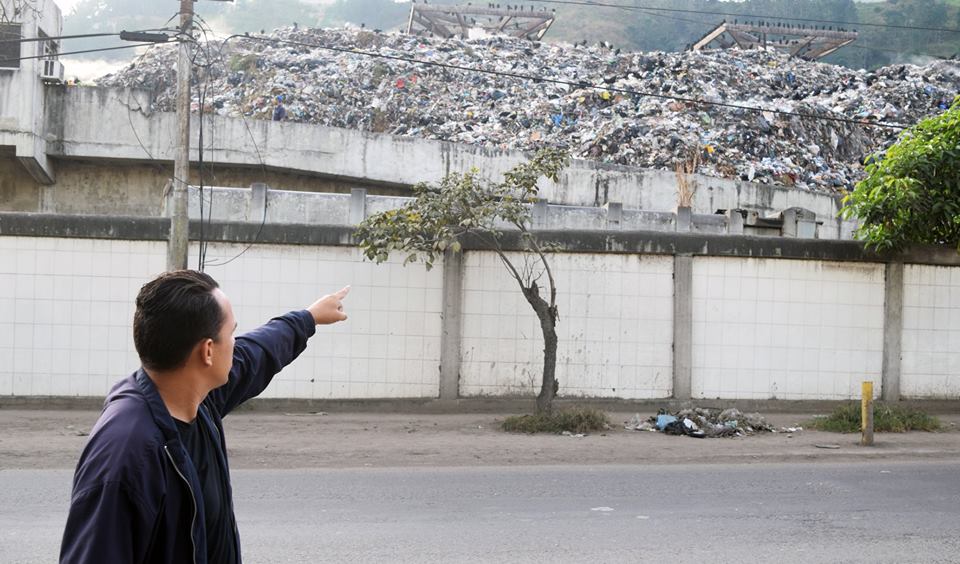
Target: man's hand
[329, 308]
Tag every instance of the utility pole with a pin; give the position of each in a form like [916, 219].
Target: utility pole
[177, 245]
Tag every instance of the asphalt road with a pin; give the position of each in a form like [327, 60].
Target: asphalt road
[750, 513]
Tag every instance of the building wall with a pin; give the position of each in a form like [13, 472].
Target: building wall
[133, 189]
[786, 329]
[22, 95]
[388, 348]
[66, 310]
[105, 126]
[67, 307]
[762, 328]
[614, 330]
[930, 366]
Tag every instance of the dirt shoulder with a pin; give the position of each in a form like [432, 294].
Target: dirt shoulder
[54, 439]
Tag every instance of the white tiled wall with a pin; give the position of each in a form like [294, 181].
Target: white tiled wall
[768, 328]
[763, 328]
[930, 365]
[66, 308]
[388, 348]
[66, 311]
[615, 329]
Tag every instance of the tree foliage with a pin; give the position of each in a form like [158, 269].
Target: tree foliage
[439, 218]
[912, 191]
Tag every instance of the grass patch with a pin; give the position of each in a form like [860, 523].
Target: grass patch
[575, 420]
[886, 419]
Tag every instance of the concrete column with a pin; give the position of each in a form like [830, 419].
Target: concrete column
[48, 198]
[614, 214]
[258, 202]
[684, 219]
[450, 326]
[799, 223]
[892, 331]
[734, 222]
[540, 211]
[682, 326]
[358, 205]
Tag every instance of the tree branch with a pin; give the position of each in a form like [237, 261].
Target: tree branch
[495, 246]
[546, 266]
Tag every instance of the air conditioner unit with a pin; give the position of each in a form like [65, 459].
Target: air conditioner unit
[52, 72]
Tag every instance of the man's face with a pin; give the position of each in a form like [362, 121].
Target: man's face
[223, 346]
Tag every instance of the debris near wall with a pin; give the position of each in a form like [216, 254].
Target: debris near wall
[702, 423]
[341, 89]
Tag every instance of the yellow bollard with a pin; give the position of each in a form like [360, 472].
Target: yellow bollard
[866, 414]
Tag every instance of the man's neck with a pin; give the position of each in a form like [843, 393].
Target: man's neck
[180, 393]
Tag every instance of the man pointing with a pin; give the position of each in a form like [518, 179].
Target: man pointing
[153, 483]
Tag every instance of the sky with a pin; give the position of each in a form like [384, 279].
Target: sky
[66, 5]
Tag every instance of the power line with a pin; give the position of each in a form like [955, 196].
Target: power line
[57, 38]
[742, 15]
[48, 56]
[580, 84]
[79, 36]
[204, 28]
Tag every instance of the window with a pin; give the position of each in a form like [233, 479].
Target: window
[9, 45]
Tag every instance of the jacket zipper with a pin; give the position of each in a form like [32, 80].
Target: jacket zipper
[193, 498]
[236, 533]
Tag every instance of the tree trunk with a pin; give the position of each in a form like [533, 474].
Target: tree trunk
[548, 325]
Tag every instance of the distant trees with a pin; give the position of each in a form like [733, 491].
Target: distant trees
[651, 30]
[640, 29]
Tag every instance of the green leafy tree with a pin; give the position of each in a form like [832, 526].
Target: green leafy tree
[464, 206]
[912, 191]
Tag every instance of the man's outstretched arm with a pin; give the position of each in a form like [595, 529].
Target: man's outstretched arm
[263, 352]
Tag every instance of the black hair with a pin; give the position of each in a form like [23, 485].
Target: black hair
[175, 311]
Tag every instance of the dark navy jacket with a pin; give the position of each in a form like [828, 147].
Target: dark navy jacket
[136, 495]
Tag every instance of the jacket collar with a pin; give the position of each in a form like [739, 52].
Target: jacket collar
[161, 415]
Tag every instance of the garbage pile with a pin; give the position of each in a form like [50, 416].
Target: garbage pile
[706, 423]
[623, 124]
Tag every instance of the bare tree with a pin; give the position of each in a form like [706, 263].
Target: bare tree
[463, 205]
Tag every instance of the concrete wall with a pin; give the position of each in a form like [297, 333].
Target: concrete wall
[804, 327]
[794, 330]
[614, 329]
[131, 188]
[66, 308]
[931, 332]
[108, 125]
[23, 120]
[390, 346]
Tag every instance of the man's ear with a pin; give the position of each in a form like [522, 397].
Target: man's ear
[206, 352]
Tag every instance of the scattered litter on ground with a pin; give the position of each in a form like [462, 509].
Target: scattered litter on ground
[621, 124]
[702, 423]
[831, 447]
[602, 509]
[637, 423]
[575, 435]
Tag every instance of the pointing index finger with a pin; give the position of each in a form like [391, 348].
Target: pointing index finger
[342, 293]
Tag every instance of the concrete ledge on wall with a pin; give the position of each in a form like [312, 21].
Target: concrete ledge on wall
[566, 240]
